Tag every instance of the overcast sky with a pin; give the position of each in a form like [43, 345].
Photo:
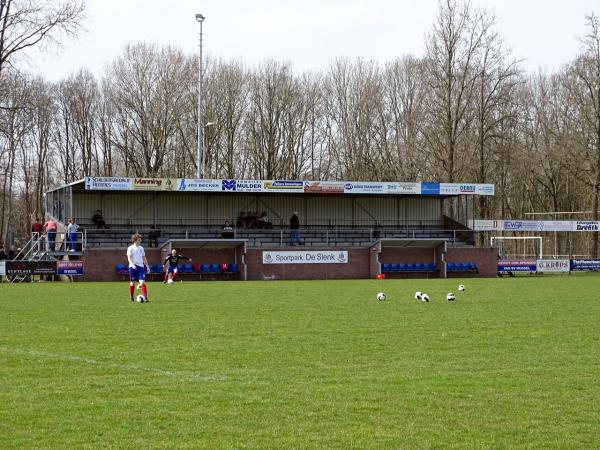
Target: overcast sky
[309, 33]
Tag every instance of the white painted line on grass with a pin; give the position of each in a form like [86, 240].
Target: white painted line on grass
[180, 374]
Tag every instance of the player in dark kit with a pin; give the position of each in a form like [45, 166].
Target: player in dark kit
[172, 261]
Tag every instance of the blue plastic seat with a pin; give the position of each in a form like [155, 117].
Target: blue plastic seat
[426, 267]
[205, 268]
[402, 267]
[473, 265]
[419, 267]
[215, 268]
[121, 269]
[433, 267]
[157, 268]
[233, 268]
[386, 267]
[450, 267]
[410, 267]
[189, 268]
[395, 267]
[466, 267]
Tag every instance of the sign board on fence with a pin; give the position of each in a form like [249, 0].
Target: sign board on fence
[517, 265]
[306, 257]
[26, 268]
[2, 268]
[553, 265]
[585, 264]
[69, 268]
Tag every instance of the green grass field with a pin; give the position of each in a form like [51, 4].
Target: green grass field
[513, 363]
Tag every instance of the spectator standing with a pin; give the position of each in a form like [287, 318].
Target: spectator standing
[37, 227]
[2, 257]
[227, 231]
[72, 228]
[153, 236]
[98, 220]
[295, 229]
[51, 227]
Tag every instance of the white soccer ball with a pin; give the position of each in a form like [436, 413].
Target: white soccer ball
[140, 298]
[418, 295]
[170, 280]
[450, 297]
[424, 297]
[461, 287]
[381, 296]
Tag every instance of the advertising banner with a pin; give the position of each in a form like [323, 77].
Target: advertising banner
[485, 189]
[306, 257]
[198, 185]
[450, 189]
[69, 267]
[487, 225]
[364, 187]
[585, 264]
[289, 186]
[242, 185]
[553, 265]
[428, 188]
[522, 225]
[324, 187]
[586, 225]
[2, 268]
[517, 265]
[403, 188]
[107, 183]
[154, 184]
[26, 268]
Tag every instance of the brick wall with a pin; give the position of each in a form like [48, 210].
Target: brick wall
[357, 267]
[100, 263]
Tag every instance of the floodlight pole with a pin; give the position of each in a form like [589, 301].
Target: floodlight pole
[200, 172]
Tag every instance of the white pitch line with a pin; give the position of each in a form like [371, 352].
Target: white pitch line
[65, 357]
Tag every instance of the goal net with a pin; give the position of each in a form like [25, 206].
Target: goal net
[529, 247]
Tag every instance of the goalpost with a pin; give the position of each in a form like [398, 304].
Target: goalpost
[504, 247]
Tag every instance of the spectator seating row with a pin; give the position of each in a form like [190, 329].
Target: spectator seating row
[462, 267]
[408, 267]
[121, 269]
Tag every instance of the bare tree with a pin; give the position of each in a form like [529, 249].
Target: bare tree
[28, 23]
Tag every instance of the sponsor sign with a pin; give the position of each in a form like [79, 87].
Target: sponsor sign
[27, 268]
[69, 267]
[283, 186]
[466, 189]
[450, 189]
[242, 185]
[324, 187]
[196, 185]
[154, 184]
[586, 225]
[485, 189]
[403, 188]
[107, 183]
[523, 225]
[2, 268]
[306, 257]
[364, 187]
[487, 225]
[428, 188]
[585, 264]
[553, 265]
[557, 225]
[517, 265]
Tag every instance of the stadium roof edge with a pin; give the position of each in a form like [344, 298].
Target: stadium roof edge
[328, 187]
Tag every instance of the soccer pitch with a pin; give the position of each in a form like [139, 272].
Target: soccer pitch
[512, 363]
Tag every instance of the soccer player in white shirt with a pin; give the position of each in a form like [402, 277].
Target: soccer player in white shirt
[138, 264]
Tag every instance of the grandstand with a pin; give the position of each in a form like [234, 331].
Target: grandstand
[380, 227]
